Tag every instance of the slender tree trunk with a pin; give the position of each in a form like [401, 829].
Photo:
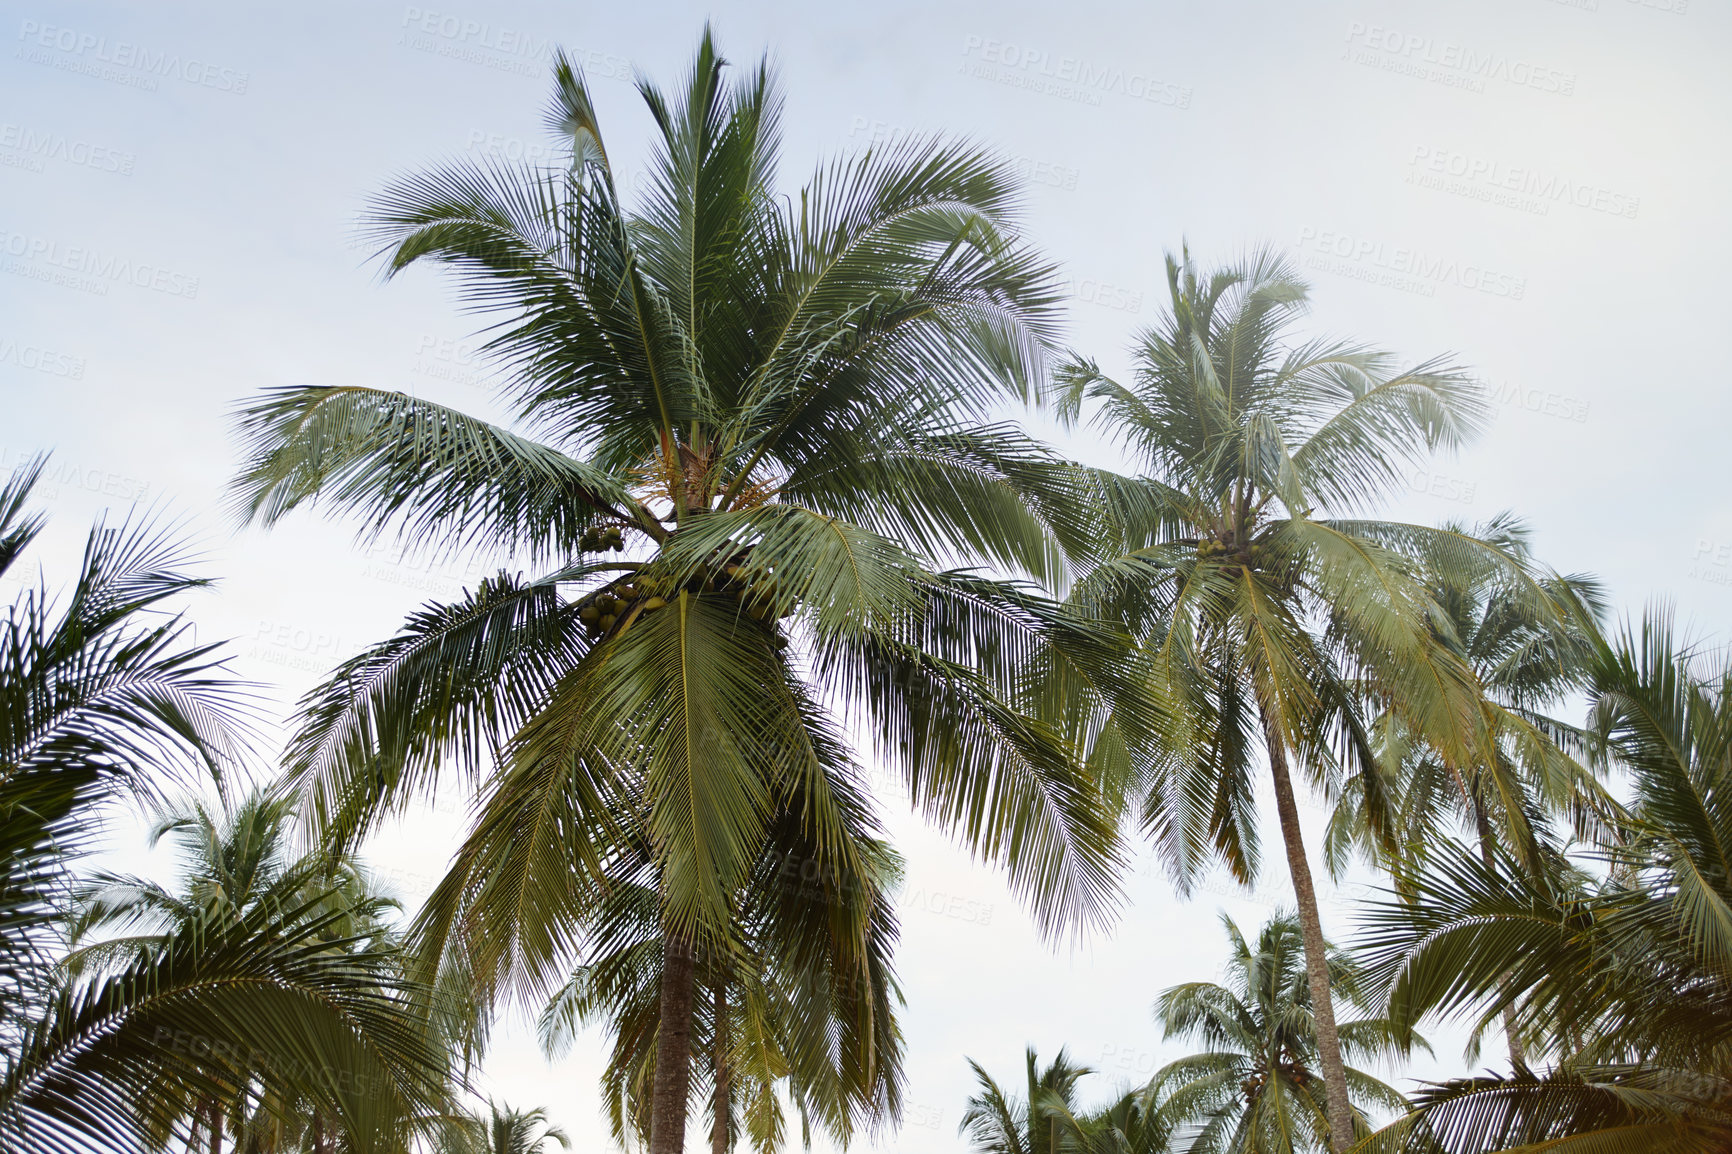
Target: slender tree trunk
[216, 1128]
[722, 1103]
[673, 1074]
[1518, 1055]
[1316, 957]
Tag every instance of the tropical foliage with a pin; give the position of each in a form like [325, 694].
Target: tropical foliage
[755, 496]
[1257, 1089]
[1032, 1122]
[1614, 963]
[107, 696]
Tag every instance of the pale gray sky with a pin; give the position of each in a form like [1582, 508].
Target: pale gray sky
[1537, 186]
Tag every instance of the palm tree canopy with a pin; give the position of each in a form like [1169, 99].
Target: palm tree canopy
[1528, 634]
[779, 408]
[1265, 599]
[502, 1130]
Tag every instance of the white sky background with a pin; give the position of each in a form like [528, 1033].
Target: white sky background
[1313, 127]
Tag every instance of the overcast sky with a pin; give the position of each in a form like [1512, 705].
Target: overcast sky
[1536, 186]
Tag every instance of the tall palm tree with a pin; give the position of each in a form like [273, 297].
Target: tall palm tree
[1036, 1121]
[777, 409]
[233, 866]
[105, 698]
[1618, 966]
[1257, 1089]
[1273, 616]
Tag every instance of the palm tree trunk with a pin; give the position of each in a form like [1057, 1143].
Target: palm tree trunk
[1316, 957]
[722, 1103]
[216, 1128]
[673, 1074]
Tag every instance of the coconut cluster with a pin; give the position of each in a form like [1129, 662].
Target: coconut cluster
[602, 537]
[758, 597]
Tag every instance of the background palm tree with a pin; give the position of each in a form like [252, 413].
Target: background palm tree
[779, 409]
[104, 698]
[1033, 1122]
[233, 867]
[1257, 1088]
[1273, 616]
[1529, 635]
[1133, 1124]
[502, 1131]
[1618, 969]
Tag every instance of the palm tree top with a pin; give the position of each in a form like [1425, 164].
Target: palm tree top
[711, 348]
[1229, 407]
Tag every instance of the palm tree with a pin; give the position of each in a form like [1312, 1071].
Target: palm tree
[503, 1131]
[1528, 635]
[1034, 1122]
[233, 868]
[1618, 967]
[777, 409]
[104, 697]
[1272, 615]
[1256, 1089]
